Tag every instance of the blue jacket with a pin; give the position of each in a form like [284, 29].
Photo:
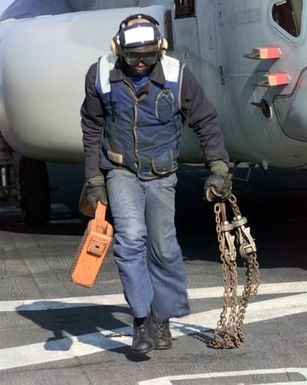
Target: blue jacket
[142, 131]
[149, 148]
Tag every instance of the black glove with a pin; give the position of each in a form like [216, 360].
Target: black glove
[94, 190]
[218, 184]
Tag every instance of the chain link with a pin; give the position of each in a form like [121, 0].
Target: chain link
[228, 333]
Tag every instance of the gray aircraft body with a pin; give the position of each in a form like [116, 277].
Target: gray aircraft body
[250, 57]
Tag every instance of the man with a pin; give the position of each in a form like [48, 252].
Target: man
[136, 101]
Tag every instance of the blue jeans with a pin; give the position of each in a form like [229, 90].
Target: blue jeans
[146, 250]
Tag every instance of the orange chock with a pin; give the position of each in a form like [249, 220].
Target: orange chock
[93, 249]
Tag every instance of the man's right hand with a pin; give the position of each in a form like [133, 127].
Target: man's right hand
[94, 190]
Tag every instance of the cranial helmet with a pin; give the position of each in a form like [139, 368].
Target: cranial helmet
[139, 39]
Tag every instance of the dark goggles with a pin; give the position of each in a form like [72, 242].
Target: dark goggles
[134, 58]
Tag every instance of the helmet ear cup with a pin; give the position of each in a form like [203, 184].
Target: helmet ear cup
[114, 45]
[163, 46]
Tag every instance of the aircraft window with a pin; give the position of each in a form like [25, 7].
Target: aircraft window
[184, 8]
[288, 15]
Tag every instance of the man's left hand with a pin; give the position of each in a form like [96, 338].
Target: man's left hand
[218, 184]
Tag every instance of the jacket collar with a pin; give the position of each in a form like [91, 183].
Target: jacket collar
[156, 76]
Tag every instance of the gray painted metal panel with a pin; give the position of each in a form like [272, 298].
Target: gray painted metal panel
[43, 61]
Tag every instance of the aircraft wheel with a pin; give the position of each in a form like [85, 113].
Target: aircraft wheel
[35, 191]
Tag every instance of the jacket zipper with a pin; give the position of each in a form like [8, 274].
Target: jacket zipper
[134, 126]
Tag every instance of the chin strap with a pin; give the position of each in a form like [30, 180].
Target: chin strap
[234, 238]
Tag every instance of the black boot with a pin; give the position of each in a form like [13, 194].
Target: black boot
[162, 335]
[143, 341]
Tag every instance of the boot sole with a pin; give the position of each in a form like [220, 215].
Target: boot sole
[163, 347]
[143, 351]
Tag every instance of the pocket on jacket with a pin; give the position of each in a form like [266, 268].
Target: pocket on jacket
[164, 164]
[165, 105]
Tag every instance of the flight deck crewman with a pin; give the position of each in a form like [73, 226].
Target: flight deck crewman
[136, 102]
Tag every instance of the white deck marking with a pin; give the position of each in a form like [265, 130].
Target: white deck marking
[118, 299]
[67, 348]
[258, 311]
[169, 380]
[63, 349]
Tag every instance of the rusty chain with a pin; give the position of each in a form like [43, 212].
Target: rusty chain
[234, 238]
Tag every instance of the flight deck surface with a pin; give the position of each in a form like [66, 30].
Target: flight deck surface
[55, 332]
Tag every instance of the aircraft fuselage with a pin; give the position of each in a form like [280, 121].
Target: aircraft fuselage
[44, 59]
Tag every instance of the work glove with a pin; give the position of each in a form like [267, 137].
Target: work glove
[218, 185]
[94, 190]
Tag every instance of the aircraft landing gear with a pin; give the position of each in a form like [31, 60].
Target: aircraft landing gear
[6, 162]
[35, 191]
[32, 193]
